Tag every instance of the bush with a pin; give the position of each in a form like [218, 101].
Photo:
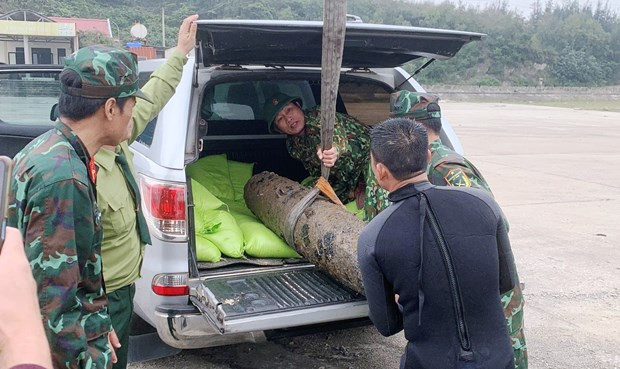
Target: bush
[576, 68]
[489, 81]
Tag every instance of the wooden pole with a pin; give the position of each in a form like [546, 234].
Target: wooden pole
[334, 26]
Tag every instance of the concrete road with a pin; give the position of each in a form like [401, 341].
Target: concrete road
[556, 173]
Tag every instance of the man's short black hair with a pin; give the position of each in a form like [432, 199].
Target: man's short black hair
[434, 124]
[77, 107]
[401, 145]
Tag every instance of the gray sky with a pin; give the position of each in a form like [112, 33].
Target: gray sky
[524, 6]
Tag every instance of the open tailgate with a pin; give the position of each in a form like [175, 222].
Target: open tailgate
[298, 43]
[272, 298]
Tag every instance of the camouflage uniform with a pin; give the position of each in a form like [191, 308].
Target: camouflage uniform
[352, 140]
[448, 168]
[54, 205]
[375, 197]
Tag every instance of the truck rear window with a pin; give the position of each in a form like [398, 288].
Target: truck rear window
[245, 100]
[368, 102]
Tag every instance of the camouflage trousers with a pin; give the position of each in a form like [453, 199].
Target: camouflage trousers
[512, 302]
[96, 355]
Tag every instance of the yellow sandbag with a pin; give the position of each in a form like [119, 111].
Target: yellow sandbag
[260, 241]
[206, 250]
[221, 228]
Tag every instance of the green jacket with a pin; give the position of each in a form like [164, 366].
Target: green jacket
[122, 250]
[53, 204]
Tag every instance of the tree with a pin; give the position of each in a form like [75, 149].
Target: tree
[577, 68]
[94, 38]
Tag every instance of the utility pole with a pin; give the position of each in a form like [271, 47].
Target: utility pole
[163, 29]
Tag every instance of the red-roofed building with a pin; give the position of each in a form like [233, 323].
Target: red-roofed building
[87, 24]
[27, 37]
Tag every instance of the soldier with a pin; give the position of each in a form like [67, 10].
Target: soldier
[124, 227]
[54, 203]
[448, 168]
[351, 143]
[352, 177]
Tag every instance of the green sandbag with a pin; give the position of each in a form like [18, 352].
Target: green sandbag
[203, 198]
[221, 228]
[238, 207]
[240, 174]
[260, 241]
[203, 201]
[308, 181]
[212, 172]
[352, 208]
[206, 250]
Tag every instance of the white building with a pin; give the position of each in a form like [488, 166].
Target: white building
[30, 38]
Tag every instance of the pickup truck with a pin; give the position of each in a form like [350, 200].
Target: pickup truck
[217, 108]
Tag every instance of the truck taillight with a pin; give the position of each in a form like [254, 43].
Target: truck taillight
[170, 284]
[165, 208]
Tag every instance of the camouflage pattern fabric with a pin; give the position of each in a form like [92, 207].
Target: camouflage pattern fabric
[105, 72]
[513, 302]
[352, 140]
[53, 204]
[375, 197]
[448, 168]
[413, 104]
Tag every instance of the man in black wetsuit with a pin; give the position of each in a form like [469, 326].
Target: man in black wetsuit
[443, 252]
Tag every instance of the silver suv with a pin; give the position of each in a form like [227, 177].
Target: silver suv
[217, 109]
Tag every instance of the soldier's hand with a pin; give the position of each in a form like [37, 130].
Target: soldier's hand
[328, 157]
[114, 344]
[22, 338]
[187, 34]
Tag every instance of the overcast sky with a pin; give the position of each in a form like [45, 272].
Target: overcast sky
[525, 6]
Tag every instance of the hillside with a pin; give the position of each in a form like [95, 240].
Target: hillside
[563, 45]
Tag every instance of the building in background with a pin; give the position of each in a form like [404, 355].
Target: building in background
[27, 37]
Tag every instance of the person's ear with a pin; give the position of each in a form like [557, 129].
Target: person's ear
[383, 173]
[428, 156]
[109, 108]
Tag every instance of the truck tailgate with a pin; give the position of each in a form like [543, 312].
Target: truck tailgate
[273, 298]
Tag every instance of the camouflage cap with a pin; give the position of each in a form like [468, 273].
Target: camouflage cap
[105, 72]
[413, 104]
[274, 104]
